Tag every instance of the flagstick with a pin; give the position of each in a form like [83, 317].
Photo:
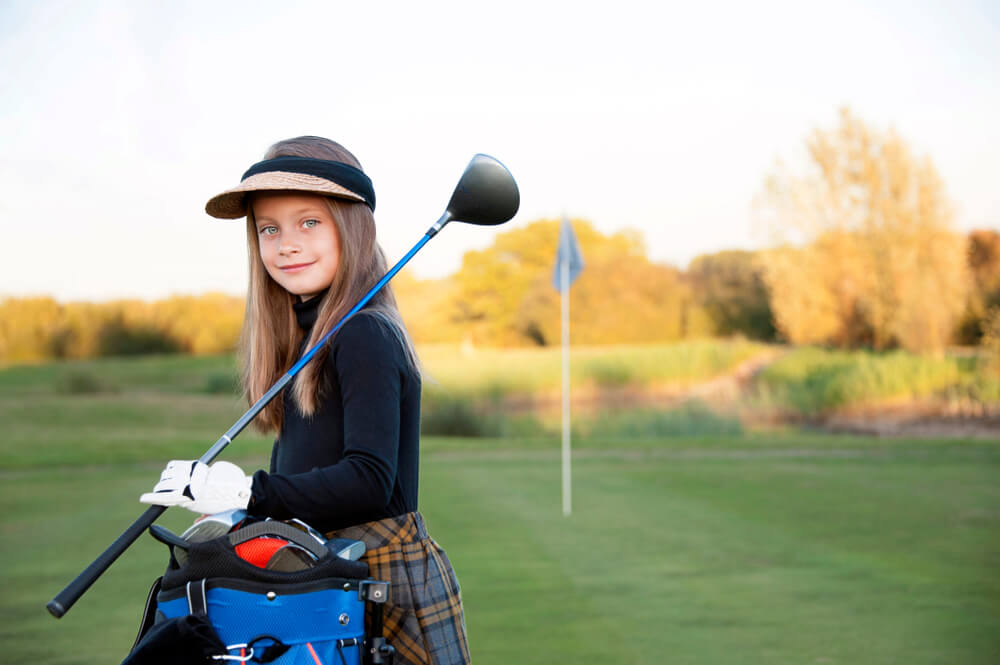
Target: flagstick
[567, 499]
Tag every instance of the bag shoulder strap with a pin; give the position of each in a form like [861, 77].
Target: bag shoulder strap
[282, 530]
[149, 612]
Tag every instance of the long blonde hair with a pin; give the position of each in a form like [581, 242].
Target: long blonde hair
[271, 337]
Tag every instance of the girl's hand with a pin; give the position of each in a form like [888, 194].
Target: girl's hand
[201, 488]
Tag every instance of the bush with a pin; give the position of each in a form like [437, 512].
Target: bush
[222, 383]
[690, 419]
[449, 415]
[116, 338]
[82, 383]
[474, 415]
[609, 373]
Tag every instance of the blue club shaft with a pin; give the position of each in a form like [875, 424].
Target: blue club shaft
[259, 405]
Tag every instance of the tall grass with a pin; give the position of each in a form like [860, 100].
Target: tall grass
[483, 371]
[689, 419]
[467, 392]
[812, 380]
[187, 400]
[493, 392]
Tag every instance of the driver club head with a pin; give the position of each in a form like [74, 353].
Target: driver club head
[486, 194]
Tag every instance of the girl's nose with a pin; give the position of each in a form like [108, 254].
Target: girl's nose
[287, 247]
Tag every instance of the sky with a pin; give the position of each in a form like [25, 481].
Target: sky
[119, 120]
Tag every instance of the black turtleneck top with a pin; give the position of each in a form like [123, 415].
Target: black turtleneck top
[356, 458]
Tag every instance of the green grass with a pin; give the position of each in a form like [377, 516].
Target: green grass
[728, 559]
[710, 545]
[162, 374]
[734, 553]
[122, 427]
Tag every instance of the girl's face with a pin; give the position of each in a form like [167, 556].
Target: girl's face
[299, 242]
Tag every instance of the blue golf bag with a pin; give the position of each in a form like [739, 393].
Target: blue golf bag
[302, 615]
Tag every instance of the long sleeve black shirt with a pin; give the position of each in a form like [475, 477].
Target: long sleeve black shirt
[356, 459]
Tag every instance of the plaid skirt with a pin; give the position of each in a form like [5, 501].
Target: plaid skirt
[423, 615]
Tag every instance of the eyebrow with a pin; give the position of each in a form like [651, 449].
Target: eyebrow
[297, 213]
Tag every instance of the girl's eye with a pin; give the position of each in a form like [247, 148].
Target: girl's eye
[268, 230]
[310, 223]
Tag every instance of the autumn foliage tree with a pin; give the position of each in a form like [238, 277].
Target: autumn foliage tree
[426, 307]
[503, 295]
[26, 326]
[868, 254]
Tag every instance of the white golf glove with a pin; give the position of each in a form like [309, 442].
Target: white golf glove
[201, 488]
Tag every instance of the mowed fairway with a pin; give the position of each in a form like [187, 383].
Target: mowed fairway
[790, 548]
[735, 556]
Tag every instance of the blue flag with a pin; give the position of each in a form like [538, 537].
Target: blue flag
[569, 250]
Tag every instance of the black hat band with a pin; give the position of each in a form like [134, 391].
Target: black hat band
[344, 175]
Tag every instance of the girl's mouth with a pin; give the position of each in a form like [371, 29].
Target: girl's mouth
[295, 267]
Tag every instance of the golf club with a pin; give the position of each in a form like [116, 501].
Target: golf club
[486, 195]
[208, 527]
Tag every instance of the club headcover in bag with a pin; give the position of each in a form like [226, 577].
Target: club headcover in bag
[187, 639]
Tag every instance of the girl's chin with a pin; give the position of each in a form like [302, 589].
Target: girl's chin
[305, 292]
[299, 286]
[303, 285]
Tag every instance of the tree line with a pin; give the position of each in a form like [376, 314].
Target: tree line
[864, 255]
[40, 328]
[503, 296]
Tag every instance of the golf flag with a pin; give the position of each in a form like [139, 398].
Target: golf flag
[569, 265]
[569, 251]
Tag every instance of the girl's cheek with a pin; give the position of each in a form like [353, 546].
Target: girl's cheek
[266, 244]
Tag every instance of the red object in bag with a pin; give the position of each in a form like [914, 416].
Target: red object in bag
[259, 551]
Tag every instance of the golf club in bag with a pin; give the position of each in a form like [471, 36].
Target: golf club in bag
[486, 195]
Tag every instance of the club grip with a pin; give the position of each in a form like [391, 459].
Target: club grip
[59, 605]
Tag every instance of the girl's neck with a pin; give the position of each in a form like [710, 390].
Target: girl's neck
[306, 311]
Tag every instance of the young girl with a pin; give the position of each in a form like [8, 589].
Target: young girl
[346, 456]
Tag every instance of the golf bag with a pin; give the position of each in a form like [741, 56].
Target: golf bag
[292, 615]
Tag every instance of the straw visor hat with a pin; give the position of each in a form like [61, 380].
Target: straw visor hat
[296, 174]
